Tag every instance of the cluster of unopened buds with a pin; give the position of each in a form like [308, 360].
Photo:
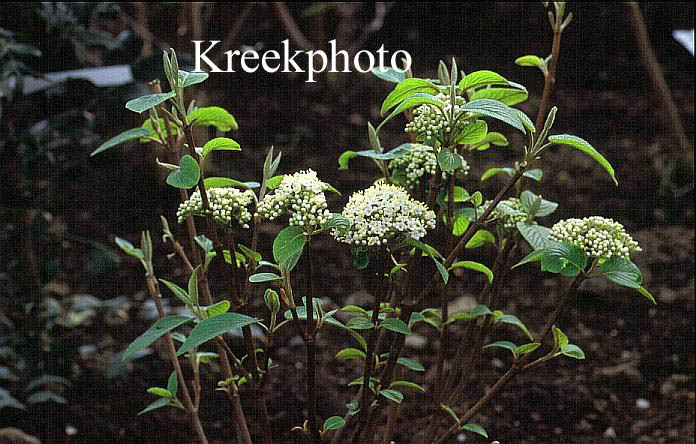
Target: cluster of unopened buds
[301, 195]
[225, 206]
[597, 236]
[430, 122]
[507, 213]
[382, 212]
[418, 163]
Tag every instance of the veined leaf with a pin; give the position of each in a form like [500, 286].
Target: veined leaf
[478, 79]
[476, 267]
[146, 102]
[584, 146]
[220, 144]
[497, 110]
[187, 175]
[157, 330]
[211, 327]
[131, 134]
[213, 116]
[404, 89]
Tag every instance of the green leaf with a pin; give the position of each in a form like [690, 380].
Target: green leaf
[191, 78]
[451, 412]
[155, 405]
[350, 353]
[563, 258]
[129, 249]
[536, 235]
[502, 344]
[389, 74]
[359, 323]
[288, 246]
[529, 60]
[213, 116]
[471, 265]
[392, 395]
[264, 277]
[397, 325]
[473, 133]
[621, 271]
[211, 327]
[153, 333]
[222, 182]
[150, 101]
[220, 144]
[274, 182]
[173, 383]
[131, 134]
[411, 364]
[514, 320]
[573, 351]
[334, 423]
[481, 237]
[534, 256]
[534, 174]
[187, 175]
[527, 348]
[407, 384]
[412, 102]
[448, 160]
[560, 339]
[478, 79]
[584, 146]
[646, 294]
[497, 110]
[508, 96]
[344, 158]
[404, 89]
[217, 308]
[337, 221]
[475, 428]
[193, 287]
[178, 292]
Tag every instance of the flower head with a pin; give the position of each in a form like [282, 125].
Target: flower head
[301, 195]
[507, 213]
[382, 212]
[429, 123]
[226, 205]
[597, 236]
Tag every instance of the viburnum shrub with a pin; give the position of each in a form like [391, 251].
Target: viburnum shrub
[410, 229]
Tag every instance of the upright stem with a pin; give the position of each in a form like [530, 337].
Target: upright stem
[518, 366]
[550, 78]
[156, 296]
[310, 346]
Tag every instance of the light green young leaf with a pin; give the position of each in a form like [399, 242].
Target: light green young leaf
[471, 265]
[529, 60]
[146, 102]
[404, 89]
[155, 405]
[573, 351]
[288, 246]
[157, 330]
[334, 423]
[131, 134]
[350, 353]
[584, 146]
[392, 395]
[475, 428]
[472, 133]
[211, 327]
[220, 144]
[187, 175]
[481, 237]
[508, 96]
[407, 384]
[478, 79]
[213, 116]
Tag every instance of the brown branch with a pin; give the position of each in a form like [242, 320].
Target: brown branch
[670, 116]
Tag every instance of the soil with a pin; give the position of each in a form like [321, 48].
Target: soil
[636, 385]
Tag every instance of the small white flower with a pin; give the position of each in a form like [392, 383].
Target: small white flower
[301, 195]
[226, 205]
[382, 212]
[597, 236]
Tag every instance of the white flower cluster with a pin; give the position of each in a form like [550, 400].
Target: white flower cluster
[382, 212]
[420, 161]
[415, 163]
[508, 216]
[429, 122]
[301, 195]
[226, 205]
[597, 236]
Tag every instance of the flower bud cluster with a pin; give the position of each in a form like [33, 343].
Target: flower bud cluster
[382, 212]
[429, 123]
[414, 164]
[226, 205]
[507, 213]
[597, 236]
[301, 195]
